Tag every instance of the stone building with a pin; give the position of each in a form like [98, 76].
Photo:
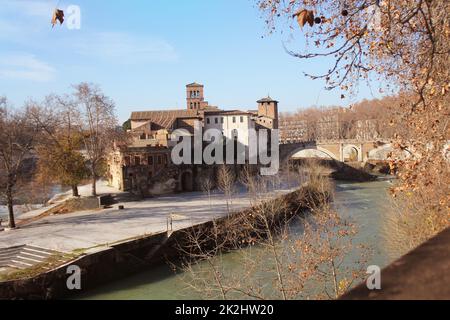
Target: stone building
[144, 166]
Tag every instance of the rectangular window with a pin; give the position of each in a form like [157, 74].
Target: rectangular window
[159, 160]
[207, 120]
[150, 160]
[127, 161]
[234, 119]
[137, 161]
[216, 120]
[242, 119]
[221, 119]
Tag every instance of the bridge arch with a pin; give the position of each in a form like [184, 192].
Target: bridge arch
[351, 153]
[311, 152]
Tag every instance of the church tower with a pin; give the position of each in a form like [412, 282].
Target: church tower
[195, 97]
[268, 113]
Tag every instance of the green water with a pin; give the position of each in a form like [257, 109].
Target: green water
[365, 204]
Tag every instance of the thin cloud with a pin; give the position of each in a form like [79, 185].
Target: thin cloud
[23, 66]
[34, 8]
[125, 48]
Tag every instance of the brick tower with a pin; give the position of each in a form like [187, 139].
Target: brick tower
[268, 112]
[195, 97]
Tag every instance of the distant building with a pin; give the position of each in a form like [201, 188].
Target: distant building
[144, 162]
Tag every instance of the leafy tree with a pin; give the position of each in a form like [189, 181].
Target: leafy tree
[126, 125]
[60, 159]
[61, 163]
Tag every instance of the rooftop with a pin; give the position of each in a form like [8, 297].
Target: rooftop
[165, 118]
[268, 99]
[194, 84]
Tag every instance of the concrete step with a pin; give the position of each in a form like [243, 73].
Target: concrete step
[23, 257]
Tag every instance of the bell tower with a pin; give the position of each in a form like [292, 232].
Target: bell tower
[268, 112]
[195, 96]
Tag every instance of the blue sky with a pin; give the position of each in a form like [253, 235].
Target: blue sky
[143, 53]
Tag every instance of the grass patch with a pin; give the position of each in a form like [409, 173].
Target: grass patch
[51, 263]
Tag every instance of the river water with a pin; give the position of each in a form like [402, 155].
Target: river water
[33, 197]
[365, 204]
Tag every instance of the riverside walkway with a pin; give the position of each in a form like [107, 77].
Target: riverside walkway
[89, 229]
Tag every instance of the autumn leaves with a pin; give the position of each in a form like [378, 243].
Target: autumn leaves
[305, 16]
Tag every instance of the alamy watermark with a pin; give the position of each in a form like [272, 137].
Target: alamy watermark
[74, 279]
[71, 17]
[374, 280]
[228, 146]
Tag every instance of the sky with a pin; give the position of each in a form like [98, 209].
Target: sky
[142, 54]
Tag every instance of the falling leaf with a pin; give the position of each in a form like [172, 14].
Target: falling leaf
[58, 15]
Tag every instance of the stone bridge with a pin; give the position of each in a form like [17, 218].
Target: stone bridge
[340, 150]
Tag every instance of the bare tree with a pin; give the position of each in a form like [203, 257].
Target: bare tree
[98, 126]
[207, 184]
[276, 262]
[18, 137]
[405, 45]
[226, 182]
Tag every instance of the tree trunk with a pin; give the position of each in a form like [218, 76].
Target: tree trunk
[75, 191]
[94, 181]
[94, 186]
[10, 204]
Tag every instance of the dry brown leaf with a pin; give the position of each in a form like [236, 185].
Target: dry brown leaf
[305, 16]
[58, 15]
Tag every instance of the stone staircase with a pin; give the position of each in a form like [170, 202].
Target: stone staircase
[25, 256]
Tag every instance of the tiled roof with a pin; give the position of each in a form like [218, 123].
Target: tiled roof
[194, 84]
[143, 126]
[164, 119]
[268, 99]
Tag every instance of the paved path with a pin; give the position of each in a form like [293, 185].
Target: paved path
[93, 228]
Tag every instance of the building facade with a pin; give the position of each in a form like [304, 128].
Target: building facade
[144, 164]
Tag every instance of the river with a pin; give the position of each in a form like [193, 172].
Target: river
[31, 198]
[365, 204]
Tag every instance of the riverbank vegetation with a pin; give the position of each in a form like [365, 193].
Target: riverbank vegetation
[277, 262]
[402, 48]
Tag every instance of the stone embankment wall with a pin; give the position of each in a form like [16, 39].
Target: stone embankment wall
[122, 259]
